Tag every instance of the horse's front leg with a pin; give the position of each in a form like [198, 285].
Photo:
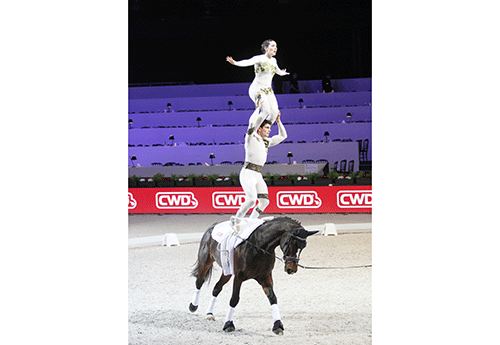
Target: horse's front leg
[235, 298]
[267, 286]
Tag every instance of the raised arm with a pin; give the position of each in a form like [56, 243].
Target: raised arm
[260, 116]
[275, 140]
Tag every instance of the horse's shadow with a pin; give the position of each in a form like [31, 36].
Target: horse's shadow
[182, 321]
[172, 319]
[179, 320]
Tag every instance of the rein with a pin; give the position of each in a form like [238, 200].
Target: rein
[331, 268]
[298, 257]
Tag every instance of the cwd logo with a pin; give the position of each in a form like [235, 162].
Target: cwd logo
[178, 200]
[132, 203]
[301, 199]
[228, 199]
[354, 198]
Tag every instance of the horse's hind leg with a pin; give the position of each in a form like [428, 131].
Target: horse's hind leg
[267, 286]
[201, 272]
[216, 291]
[193, 306]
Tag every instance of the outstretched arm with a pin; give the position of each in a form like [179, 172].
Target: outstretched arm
[275, 140]
[242, 63]
[280, 71]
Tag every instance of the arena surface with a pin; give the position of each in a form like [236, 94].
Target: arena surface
[317, 306]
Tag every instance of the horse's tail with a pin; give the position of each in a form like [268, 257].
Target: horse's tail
[204, 263]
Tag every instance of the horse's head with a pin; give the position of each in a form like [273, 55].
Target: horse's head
[292, 243]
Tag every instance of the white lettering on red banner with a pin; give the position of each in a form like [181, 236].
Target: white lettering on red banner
[228, 199]
[313, 199]
[178, 200]
[354, 198]
[132, 203]
[301, 199]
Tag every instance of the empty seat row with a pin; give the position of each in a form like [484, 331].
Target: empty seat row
[216, 135]
[230, 89]
[343, 167]
[240, 118]
[194, 104]
[231, 153]
[312, 161]
[197, 163]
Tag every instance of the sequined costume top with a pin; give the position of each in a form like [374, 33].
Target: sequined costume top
[264, 68]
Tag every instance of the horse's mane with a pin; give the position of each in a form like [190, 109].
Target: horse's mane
[296, 222]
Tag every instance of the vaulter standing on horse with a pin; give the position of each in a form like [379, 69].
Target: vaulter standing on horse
[257, 142]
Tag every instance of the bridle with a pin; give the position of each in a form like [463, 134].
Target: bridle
[300, 247]
[285, 257]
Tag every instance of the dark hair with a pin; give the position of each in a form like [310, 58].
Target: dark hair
[266, 44]
[265, 122]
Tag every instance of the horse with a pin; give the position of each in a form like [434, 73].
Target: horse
[254, 258]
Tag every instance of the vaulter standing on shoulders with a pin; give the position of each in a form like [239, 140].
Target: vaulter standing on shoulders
[265, 66]
[257, 142]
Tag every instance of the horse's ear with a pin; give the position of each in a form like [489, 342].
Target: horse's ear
[303, 233]
[309, 233]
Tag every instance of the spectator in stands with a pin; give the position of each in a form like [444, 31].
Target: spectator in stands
[254, 186]
[294, 84]
[327, 84]
[265, 66]
[168, 109]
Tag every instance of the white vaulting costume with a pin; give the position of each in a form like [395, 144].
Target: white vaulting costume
[265, 68]
[251, 178]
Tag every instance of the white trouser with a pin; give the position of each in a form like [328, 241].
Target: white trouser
[253, 184]
[269, 105]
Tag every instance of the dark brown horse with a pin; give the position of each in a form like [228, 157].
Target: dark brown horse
[253, 259]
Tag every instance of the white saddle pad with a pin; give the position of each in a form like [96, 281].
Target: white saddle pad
[223, 234]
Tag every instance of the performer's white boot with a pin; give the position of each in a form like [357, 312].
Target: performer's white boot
[235, 224]
[252, 126]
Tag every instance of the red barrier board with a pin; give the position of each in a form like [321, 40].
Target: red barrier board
[303, 199]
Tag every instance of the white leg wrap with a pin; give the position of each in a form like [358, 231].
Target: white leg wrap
[211, 306]
[196, 298]
[230, 313]
[276, 312]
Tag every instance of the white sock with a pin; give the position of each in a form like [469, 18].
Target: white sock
[276, 312]
[211, 306]
[230, 313]
[196, 298]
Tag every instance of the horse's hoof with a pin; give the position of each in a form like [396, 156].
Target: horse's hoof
[192, 308]
[278, 328]
[229, 326]
[210, 317]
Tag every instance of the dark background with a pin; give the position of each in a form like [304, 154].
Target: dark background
[188, 41]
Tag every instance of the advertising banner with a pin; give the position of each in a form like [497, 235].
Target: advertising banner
[303, 199]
